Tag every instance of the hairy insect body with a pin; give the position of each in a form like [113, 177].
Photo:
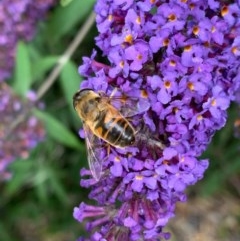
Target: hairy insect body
[117, 131]
[103, 122]
[103, 119]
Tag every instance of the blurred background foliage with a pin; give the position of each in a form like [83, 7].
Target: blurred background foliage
[37, 203]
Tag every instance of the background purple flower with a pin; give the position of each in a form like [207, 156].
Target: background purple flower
[188, 74]
[18, 21]
[16, 141]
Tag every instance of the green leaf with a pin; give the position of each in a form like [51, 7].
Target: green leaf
[70, 81]
[65, 2]
[22, 72]
[58, 131]
[65, 18]
[43, 65]
[58, 188]
[42, 194]
[232, 168]
[211, 184]
[21, 175]
[41, 182]
[4, 234]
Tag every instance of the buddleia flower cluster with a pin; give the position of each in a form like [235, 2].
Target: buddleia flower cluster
[182, 57]
[16, 139]
[18, 21]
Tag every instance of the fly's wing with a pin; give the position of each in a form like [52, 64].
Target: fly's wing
[95, 151]
[128, 106]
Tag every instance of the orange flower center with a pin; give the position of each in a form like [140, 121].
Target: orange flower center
[129, 38]
[191, 6]
[224, 11]
[172, 63]
[138, 20]
[199, 117]
[165, 42]
[121, 64]
[139, 57]
[188, 48]
[167, 84]
[196, 30]
[234, 50]
[213, 102]
[144, 94]
[172, 17]
[190, 86]
[175, 110]
[110, 17]
[139, 177]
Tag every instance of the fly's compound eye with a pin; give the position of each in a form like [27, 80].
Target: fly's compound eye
[97, 99]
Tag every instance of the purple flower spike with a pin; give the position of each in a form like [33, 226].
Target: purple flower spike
[181, 61]
[16, 143]
[18, 19]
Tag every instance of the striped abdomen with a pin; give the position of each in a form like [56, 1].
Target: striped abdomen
[117, 131]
